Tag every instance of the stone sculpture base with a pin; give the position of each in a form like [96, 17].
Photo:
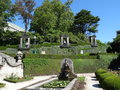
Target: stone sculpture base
[67, 70]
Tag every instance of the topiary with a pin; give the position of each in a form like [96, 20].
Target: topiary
[98, 72]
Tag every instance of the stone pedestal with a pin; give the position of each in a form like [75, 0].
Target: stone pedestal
[67, 70]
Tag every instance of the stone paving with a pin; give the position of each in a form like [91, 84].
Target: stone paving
[91, 82]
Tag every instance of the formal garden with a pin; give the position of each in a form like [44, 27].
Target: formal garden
[58, 44]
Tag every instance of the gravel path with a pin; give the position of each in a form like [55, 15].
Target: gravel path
[91, 82]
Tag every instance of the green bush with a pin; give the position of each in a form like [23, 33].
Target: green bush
[104, 76]
[2, 85]
[112, 83]
[99, 72]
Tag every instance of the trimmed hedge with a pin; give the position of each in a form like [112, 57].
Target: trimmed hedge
[59, 56]
[99, 72]
[9, 46]
[108, 81]
[112, 83]
[42, 66]
[103, 77]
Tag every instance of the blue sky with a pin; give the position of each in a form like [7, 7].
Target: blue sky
[107, 10]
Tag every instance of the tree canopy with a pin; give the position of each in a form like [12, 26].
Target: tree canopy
[52, 16]
[6, 13]
[115, 45]
[24, 8]
[85, 22]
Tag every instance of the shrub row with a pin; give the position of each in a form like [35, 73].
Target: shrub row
[59, 56]
[42, 66]
[108, 80]
[9, 46]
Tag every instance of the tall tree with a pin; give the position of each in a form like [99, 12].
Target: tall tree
[85, 22]
[6, 13]
[24, 8]
[52, 16]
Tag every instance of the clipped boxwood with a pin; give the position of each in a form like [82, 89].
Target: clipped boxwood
[104, 76]
[100, 71]
[2, 85]
[112, 83]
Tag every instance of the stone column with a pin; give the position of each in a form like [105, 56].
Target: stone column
[94, 41]
[61, 40]
[29, 40]
[68, 41]
[21, 41]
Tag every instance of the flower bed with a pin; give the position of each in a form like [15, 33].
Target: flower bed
[2, 85]
[56, 84]
[14, 79]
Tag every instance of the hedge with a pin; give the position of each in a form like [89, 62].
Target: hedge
[42, 66]
[112, 83]
[59, 56]
[108, 81]
[98, 72]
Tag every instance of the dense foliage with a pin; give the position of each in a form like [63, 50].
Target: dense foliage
[49, 21]
[54, 18]
[115, 45]
[108, 80]
[6, 14]
[85, 22]
[37, 66]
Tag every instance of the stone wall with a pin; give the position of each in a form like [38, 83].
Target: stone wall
[9, 66]
[74, 50]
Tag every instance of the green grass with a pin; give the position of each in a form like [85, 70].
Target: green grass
[81, 79]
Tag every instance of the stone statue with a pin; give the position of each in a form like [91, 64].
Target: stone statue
[19, 56]
[67, 71]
